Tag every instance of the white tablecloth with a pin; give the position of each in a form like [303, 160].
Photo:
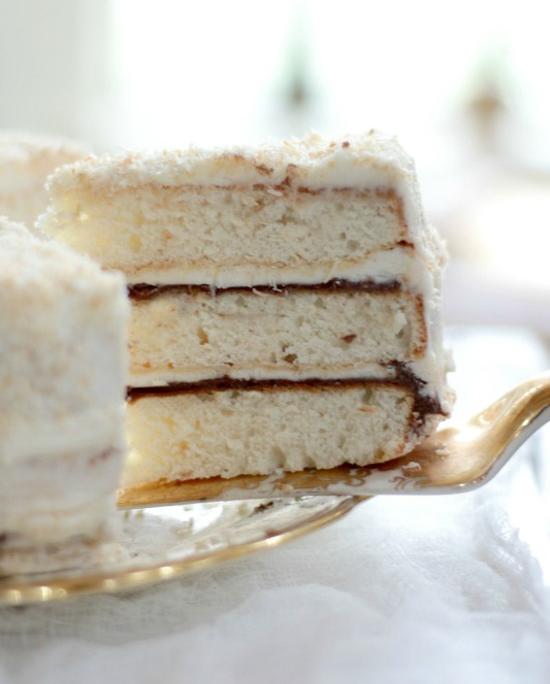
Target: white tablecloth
[420, 589]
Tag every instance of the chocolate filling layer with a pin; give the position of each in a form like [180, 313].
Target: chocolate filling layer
[423, 404]
[144, 291]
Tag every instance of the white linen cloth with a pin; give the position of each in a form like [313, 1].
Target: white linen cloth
[405, 589]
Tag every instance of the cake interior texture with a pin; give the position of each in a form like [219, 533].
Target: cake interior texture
[178, 232]
[228, 432]
[285, 302]
[186, 334]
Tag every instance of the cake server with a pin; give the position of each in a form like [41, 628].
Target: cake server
[457, 458]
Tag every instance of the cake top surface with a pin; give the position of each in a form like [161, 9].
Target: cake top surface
[314, 161]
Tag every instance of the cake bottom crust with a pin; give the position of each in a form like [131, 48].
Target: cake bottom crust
[258, 431]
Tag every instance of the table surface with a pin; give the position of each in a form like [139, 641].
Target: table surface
[405, 589]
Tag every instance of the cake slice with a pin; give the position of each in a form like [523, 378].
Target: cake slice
[62, 382]
[26, 161]
[285, 302]
[187, 334]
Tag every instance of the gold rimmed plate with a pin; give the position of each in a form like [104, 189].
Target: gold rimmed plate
[160, 543]
[172, 528]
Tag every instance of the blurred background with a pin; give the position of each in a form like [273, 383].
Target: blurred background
[464, 86]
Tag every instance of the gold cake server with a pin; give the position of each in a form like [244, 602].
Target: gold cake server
[455, 459]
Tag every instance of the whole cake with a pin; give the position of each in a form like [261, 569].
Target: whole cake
[26, 161]
[285, 302]
[62, 383]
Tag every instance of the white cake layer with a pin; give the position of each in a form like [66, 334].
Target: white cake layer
[229, 432]
[204, 228]
[294, 204]
[25, 162]
[186, 336]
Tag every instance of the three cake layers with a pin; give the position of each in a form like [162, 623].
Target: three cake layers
[285, 302]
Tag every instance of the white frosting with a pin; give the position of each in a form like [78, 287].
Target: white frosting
[313, 162]
[48, 499]
[393, 264]
[62, 350]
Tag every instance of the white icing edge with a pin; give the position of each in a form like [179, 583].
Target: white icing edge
[36, 277]
[399, 263]
[313, 161]
[48, 500]
[156, 379]
[90, 431]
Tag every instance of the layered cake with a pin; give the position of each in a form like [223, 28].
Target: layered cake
[285, 302]
[25, 162]
[62, 386]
